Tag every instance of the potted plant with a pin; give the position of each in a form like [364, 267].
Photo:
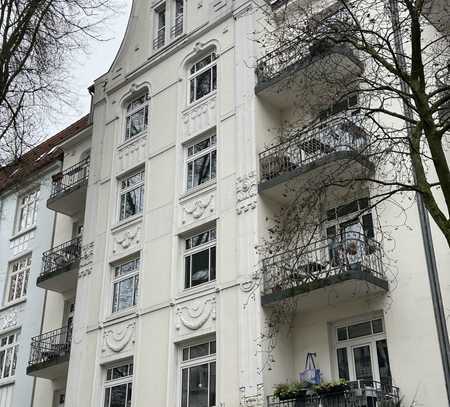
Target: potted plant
[292, 391]
[333, 388]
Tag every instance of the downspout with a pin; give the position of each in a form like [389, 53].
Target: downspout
[427, 238]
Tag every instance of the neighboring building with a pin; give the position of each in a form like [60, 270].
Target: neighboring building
[26, 231]
[152, 304]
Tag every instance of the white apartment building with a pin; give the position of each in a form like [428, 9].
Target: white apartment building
[171, 188]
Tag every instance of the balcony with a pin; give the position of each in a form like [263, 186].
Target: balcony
[332, 151]
[351, 264]
[49, 356]
[361, 393]
[69, 189]
[60, 267]
[299, 68]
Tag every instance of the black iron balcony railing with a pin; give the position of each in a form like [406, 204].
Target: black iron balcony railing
[361, 393]
[50, 346]
[61, 257]
[160, 38]
[328, 260]
[177, 28]
[339, 134]
[70, 178]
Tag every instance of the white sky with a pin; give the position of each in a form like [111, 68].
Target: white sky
[88, 67]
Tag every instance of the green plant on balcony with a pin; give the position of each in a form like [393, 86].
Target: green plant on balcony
[333, 387]
[289, 391]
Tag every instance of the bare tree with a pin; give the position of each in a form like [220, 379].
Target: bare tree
[38, 37]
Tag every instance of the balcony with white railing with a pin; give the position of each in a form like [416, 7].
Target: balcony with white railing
[69, 188]
[338, 262]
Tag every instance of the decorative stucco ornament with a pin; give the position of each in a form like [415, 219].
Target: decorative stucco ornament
[246, 191]
[128, 237]
[118, 340]
[195, 316]
[198, 208]
[86, 260]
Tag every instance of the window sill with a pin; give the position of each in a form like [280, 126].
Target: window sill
[169, 44]
[13, 303]
[7, 381]
[203, 99]
[126, 222]
[133, 139]
[210, 286]
[120, 315]
[22, 232]
[207, 186]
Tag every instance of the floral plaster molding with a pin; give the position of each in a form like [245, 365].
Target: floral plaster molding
[194, 316]
[123, 240]
[246, 192]
[117, 340]
[198, 207]
[8, 320]
[86, 260]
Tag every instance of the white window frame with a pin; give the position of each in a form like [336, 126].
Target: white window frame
[128, 380]
[117, 280]
[191, 158]
[123, 190]
[9, 344]
[177, 18]
[24, 209]
[193, 75]
[22, 270]
[192, 250]
[133, 110]
[158, 9]
[349, 344]
[198, 361]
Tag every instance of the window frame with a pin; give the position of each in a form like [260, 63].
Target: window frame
[4, 349]
[209, 359]
[21, 207]
[191, 251]
[26, 270]
[197, 155]
[135, 275]
[156, 45]
[193, 75]
[124, 190]
[129, 113]
[110, 383]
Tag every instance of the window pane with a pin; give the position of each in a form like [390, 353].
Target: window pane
[126, 293]
[107, 397]
[190, 175]
[357, 330]
[198, 351]
[363, 363]
[184, 387]
[213, 164]
[132, 202]
[383, 362]
[200, 264]
[137, 122]
[2, 361]
[192, 87]
[129, 394]
[12, 288]
[201, 170]
[342, 334]
[185, 354]
[212, 384]
[212, 349]
[377, 326]
[8, 362]
[187, 272]
[202, 145]
[203, 84]
[115, 306]
[118, 396]
[212, 270]
[119, 372]
[200, 239]
[214, 79]
[198, 386]
[343, 364]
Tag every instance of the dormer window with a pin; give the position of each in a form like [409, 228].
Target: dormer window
[137, 116]
[203, 77]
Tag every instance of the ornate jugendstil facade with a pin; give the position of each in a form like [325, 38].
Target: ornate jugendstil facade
[155, 291]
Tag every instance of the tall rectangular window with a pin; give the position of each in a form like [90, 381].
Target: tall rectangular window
[118, 385]
[125, 285]
[137, 116]
[203, 77]
[200, 258]
[8, 354]
[160, 33]
[198, 375]
[177, 28]
[19, 272]
[27, 210]
[132, 195]
[201, 162]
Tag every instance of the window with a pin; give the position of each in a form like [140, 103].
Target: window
[177, 28]
[201, 162]
[118, 385]
[200, 258]
[125, 285]
[198, 375]
[160, 21]
[19, 271]
[362, 353]
[8, 354]
[27, 210]
[137, 116]
[132, 195]
[203, 77]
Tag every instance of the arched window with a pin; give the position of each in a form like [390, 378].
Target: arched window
[137, 116]
[203, 77]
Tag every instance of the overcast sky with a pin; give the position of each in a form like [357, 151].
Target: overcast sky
[89, 67]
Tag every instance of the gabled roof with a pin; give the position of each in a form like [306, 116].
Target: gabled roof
[40, 156]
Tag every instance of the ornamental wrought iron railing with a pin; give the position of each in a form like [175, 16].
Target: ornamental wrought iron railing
[177, 28]
[321, 260]
[70, 178]
[50, 346]
[361, 393]
[338, 134]
[160, 38]
[61, 257]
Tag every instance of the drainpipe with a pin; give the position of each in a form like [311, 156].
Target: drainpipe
[427, 238]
